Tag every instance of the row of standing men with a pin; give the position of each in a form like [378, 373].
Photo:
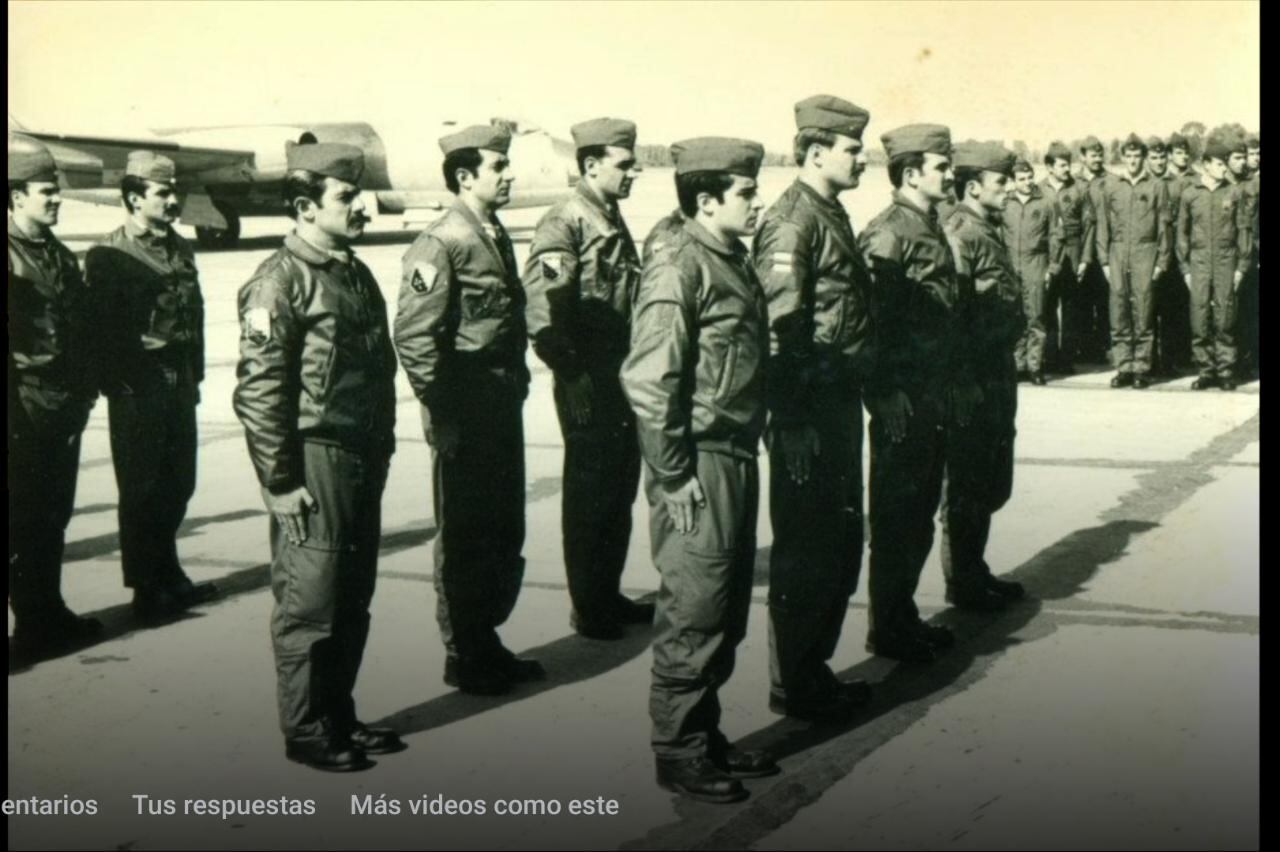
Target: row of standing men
[677, 351]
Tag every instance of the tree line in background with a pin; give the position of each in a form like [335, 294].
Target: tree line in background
[1196, 132]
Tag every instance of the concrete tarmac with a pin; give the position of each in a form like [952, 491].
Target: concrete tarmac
[1116, 708]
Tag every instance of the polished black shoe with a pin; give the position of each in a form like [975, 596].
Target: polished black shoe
[1037, 378]
[1142, 381]
[474, 677]
[975, 598]
[156, 604]
[375, 740]
[1122, 380]
[190, 593]
[634, 612]
[328, 754]
[518, 669]
[60, 632]
[603, 630]
[831, 707]
[1227, 384]
[906, 647]
[1065, 370]
[699, 778]
[746, 763]
[938, 637]
[1204, 383]
[1007, 589]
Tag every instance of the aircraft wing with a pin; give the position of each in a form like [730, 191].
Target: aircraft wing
[196, 166]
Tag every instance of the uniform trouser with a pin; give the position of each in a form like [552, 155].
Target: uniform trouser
[601, 475]
[1132, 308]
[979, 480]
[1213, 325]
[153, 449]
[42, 489]
[1173, 321]
[1030, 350]
[703, 601]
[1092, 313]
[906, 488]
[479, 496]
[817, 550]
[1062, 313]
[323, 588]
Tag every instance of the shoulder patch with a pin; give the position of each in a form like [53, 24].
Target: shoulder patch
[551, 266]
[424, 277]
[257, 325]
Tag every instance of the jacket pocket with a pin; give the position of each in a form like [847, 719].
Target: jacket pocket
[724, 387]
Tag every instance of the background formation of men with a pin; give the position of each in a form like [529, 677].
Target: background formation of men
[973, 277]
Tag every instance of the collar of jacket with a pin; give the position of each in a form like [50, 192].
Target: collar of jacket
[18, 234]
[1035, 195]
[985, 220]
[1209, 183]
[1066, 184]
[145, 235]
[461, 208]
[312, 254]
[930, 216]
[609, 211]
[831, 204]
[694, 229]
[1134, 181]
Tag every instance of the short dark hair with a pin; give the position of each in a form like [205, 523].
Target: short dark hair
[965, 176]
[811, 136]
[463, 158]
[1050, 159]
[899, 164]
[597, 151]
[16, 186]
[300, 183]
[130, 184]
[688, 186]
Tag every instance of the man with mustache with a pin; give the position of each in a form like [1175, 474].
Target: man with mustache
[695, 378]
[921, 383]
[51, 390]
[1135, 245]
[818, 287]
[580, 279]
[316, 395]
[150, 312]
[460, 333]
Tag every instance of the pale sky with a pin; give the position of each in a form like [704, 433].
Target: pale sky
[1005, 70]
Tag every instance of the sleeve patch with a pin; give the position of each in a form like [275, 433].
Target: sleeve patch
[257, 325]
[552, 265]
[424, 277]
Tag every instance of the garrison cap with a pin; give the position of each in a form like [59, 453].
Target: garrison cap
[917, 139]
[827, 112]
[1253, 141]
[151, 166]
[332, 159]
[1091, 143]
[1219, 149]
[30, 160]
[718, 154]
[1020, 164]
[984, 156]
[477, 136]
[1133, 140]
[1155, 145]
[604, 131]
[1177, 140]
[1058, 151]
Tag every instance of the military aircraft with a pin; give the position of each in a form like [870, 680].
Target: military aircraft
[227, 173]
